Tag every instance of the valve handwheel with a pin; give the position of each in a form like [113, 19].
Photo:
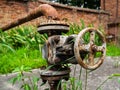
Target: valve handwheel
[91, 48]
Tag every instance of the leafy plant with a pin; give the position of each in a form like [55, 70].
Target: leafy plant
[33, 85]
[75, 28]
[21, 46]
[110, 77]
[22, 36]
[22, 56]
[72, 84]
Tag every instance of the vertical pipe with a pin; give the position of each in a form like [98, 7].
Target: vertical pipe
[55, 85]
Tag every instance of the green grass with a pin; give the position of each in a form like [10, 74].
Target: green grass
[113, 50]
[22, 56]
[21, 46]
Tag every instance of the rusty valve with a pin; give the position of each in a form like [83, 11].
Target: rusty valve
[91, 48]
[73, 49]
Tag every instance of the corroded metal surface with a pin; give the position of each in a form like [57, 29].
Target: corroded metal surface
[73, 49]
[54, 77]
[91, 48]
[54, 73]
[59, 49]
[43, 10]
[53, 27]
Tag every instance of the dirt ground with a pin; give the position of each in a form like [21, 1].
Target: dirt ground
[110, 66]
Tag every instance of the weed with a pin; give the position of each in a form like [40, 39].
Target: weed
[22, 56]
[72, 84]
[20, 46]
[110, 77]
[33, 81]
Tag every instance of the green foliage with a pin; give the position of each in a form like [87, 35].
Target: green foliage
[113, 50]
[22, 36]
[75, 29]
[22, 56]
[33, 81]
[21, 46]
[72, 84]
[110, 77]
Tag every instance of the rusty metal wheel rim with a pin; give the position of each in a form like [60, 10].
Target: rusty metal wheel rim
[79, 47]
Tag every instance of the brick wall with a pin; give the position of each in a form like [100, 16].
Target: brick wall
[89, 16]
[9, 11]
[112, 6]
[119, 8]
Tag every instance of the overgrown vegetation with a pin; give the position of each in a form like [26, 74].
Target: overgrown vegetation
[20, 50]
[21, 46]
[113, 50]
[112, 76]
[22, 56]
[21, 77]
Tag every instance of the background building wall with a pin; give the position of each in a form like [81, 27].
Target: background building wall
[10, 11]
[113, 7]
